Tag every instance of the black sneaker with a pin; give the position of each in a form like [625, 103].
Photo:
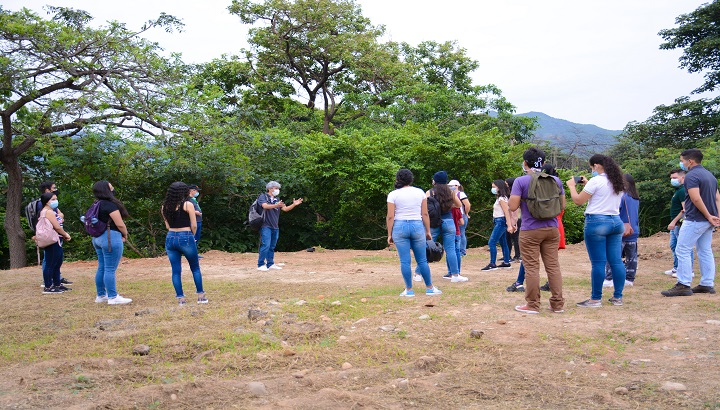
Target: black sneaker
[545, 287]
[678, 290]
[504, 265]
[490, 266]
[63, 288]
[704, 289]
[52, 290]
[64, 281]
[516, 287]
[447, 276]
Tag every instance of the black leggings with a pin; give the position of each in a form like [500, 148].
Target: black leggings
[514, 241]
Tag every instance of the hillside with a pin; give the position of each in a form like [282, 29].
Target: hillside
[580, 139]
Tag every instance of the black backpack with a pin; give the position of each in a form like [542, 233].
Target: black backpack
[255, 218]
[434, 211]
[31, 213]
[433, 250]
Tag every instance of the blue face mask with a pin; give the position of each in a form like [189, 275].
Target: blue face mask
[682, 166]
[53, 204]
[195, 195]
[675, 182]
[493, 190]
[594, 173]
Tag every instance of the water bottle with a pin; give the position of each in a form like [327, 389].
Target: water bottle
[82, 219]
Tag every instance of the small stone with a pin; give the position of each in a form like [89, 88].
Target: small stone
[430, 304]
[387, 328]
[501, 322]
[424, 317]
[477, 334]
[425, 362]
[346, 366]
[603, 374]
[621, 390]
[672, 386]
[404, 384]
[321, 297]
[363, 300]
[342, 338]
[288, 352]
[255, 314]
[257, 389]
[300, 374]
[111, 362]
[173, 397]
[336, 303]
[713, 322]
[357, 322]
[141, 350]
[568, 373]
[300, 302]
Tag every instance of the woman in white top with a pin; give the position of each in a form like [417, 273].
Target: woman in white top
[408, 227]
[603, 227]
[501, 216]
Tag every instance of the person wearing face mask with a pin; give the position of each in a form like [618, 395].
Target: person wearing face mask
[270, 230]
[501, 227]
[53, 253]
[194, 193]
[701, 218]
[677, 212]
[603, 227]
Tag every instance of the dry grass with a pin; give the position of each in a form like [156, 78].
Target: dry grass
[61, 351]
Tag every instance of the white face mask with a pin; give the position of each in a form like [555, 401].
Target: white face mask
[276, 192]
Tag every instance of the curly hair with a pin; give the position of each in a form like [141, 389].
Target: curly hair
[614, 175]
[444, 195]
[177, 193]
[101, 191]
[403, 178]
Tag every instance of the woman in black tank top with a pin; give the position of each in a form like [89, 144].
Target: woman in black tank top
[179, 216]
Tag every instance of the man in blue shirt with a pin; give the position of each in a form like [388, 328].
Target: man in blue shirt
[701, 216]
[270, 230]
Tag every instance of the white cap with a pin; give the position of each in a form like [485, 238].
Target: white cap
[454, 182]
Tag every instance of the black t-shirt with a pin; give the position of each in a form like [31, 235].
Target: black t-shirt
[106, 208]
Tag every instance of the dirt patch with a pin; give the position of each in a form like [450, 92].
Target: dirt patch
[329, 331]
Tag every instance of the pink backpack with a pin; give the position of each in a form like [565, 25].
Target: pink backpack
[45, 234]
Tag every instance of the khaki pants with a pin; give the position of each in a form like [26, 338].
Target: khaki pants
[535, 244]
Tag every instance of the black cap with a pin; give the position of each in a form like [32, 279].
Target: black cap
[193, 186]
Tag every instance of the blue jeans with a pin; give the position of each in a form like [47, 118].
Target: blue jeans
[447, 229]
[268, 240]
[178, 244]
[673, 244]
[499, 235]
[108, 262]
[698, 234]
[521, 274]
[52, 262]
[458, 254]
[198, 231]
[463, 237]
[603, 240]
[411, 235]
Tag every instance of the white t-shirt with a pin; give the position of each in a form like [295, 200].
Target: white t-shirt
[461, 195]
[408, 203]
[497, 209]
[604, 201]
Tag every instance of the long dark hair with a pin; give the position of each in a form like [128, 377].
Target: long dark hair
[403, 178]
[45, 198]
[444, 195]
[177, 193]
[101, 190]
[630, 187]
[614, 175]
[502, 188]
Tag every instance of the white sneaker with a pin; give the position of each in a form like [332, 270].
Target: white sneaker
[674, 275]
[628, 283]
[119, 300]
[101, 299]
[262, 268]
[671, 271]
[274, 267]
[607, 283]
[280, 264]
[458, 278]
[417, 278]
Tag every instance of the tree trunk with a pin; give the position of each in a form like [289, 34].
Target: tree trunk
[13, 210]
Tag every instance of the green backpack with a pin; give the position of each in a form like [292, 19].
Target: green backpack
[544, 197]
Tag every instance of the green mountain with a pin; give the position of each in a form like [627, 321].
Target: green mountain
[570, 137]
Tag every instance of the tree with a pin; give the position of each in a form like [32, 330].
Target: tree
[325, 48]
[59, 76]
[687, 122]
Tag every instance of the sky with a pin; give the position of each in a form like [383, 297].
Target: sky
[589, 62]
